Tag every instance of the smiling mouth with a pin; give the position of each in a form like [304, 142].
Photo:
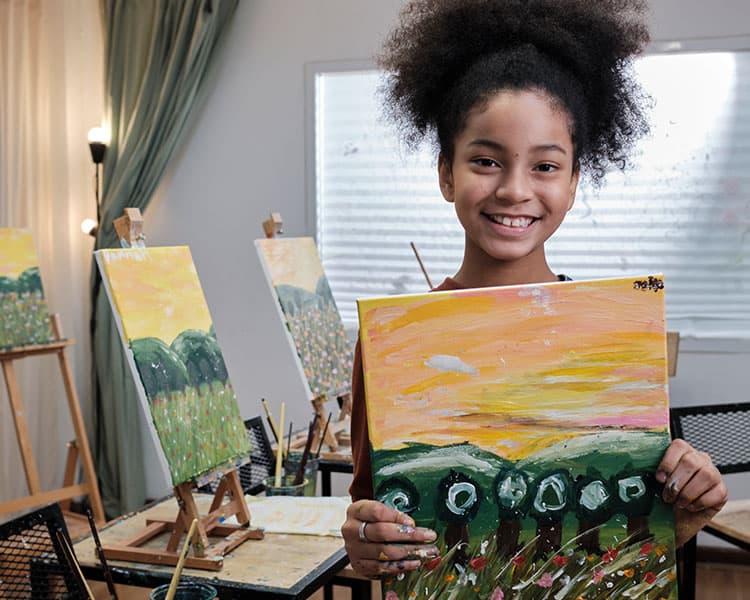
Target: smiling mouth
[519, 222]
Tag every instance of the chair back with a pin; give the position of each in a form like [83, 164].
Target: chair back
[721, 430]
[33, 560]
[262, 461]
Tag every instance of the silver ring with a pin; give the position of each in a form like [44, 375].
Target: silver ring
[362, 536]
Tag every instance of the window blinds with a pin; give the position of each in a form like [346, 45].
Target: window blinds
[683, 209]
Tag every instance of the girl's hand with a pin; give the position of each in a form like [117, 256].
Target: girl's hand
[693, 485]
[380, 540]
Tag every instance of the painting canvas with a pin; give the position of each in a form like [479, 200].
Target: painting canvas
[24, 317]
[295, 274]
[525, 424]
[171, 345]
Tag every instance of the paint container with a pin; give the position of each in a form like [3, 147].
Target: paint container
[311, 470]
[287, 487]
[185, 591]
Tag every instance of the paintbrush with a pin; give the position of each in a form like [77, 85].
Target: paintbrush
[271, 422]
[289, 441]
[73, 564]
[100, 554]
[300, 476]
[279, 452]
[323, 437]
[180, 562]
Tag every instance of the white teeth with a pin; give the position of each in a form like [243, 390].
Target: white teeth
[509, 222]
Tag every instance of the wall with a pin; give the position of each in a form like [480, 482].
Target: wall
[246, 157]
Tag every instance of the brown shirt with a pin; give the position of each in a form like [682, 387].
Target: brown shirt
[361, 487]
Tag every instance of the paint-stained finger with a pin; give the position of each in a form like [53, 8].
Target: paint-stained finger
[376, 568]
[399, 533]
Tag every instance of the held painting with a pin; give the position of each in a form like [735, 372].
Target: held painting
[295, 274]
[171, 346]
[525, 424]
[24, 317]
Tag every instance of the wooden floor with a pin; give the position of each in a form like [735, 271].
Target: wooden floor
[714, 581]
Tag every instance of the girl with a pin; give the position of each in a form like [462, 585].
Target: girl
[520, 97]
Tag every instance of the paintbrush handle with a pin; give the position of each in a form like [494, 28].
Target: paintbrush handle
[271, 422]
[100, 555]
[181, 561]
[323, 437]
[300, 476]
[279, 452]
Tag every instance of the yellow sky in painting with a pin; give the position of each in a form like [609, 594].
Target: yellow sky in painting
[17, 252]
[292, 261]
[514, 370]
[157, 291]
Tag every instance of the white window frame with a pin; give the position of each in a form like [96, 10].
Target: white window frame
[721, 345]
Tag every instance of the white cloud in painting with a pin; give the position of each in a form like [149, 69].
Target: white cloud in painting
[447, 362]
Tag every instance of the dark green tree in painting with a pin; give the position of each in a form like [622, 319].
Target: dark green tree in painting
[594, 501]
[398, 493]
[513, 495]
[458, 500]
[553, 497]
[30, 280]
[160, 368]
[7, 284]
[201, 355]
[636, 492]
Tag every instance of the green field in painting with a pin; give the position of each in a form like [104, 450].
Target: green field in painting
[199, 429]
[618, 564]
[25, 317]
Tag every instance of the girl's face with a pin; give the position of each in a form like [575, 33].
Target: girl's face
[512, 180]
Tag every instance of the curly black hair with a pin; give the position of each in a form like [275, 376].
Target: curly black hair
[446, 57]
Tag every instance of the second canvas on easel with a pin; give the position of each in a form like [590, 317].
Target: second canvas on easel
[165, 324]
[24, 317]
[295, 274]
[524, 424]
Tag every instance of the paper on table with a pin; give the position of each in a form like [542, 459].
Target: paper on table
[321, 515]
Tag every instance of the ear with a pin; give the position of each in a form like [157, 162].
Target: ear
[445, 177]
[573, 184]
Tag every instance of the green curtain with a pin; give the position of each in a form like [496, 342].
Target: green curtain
[157, 56]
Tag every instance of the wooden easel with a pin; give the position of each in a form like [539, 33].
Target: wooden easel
[205, 555]
[129, 228]
[79, 449]
[273, 225]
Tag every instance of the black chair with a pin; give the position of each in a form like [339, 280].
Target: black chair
[721, 430]
[36, 558]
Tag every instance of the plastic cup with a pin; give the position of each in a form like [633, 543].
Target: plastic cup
[287, 487]
[310, 474]
[185, 591]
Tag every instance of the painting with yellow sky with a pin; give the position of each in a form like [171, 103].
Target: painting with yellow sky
[171, 345]
[525, 424]
[24, 316]
[308, 311]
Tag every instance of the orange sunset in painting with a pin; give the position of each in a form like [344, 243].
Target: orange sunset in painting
[514, 370]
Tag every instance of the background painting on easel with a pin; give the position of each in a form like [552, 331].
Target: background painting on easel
[166, 326]
[293, 269]
[525, 425]
[24, 317]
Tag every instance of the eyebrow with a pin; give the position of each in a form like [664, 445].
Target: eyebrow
[500, 147]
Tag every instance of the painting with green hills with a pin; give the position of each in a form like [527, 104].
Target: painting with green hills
[24, 317]
[524, 424]
[295, 274]
[171, 344]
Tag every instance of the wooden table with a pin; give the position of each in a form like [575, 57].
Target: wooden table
[732, 524]
[279, 566]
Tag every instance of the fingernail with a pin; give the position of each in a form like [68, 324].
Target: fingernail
[661, 476]
[428, 535]
[673, 486]
[407, 520]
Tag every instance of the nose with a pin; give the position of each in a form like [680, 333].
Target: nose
[514, 186]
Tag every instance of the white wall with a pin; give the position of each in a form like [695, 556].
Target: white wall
[246, 157]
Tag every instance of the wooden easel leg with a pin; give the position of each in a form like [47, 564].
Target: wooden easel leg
[188, 512]
[322, 417]
[69, 478]
[22, 428]
[80, 429]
